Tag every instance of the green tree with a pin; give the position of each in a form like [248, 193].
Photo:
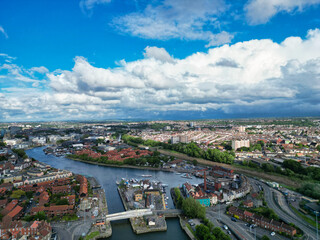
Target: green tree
[40, 216]
[62, 202]
[193, 209]
[179, 198]
[17, 194]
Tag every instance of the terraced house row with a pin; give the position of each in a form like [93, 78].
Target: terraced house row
[261, 221]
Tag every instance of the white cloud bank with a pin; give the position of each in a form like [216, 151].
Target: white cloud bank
[261, 11]
[257, 76]
[177, 19]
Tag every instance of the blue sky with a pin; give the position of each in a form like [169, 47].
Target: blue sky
[170, 59]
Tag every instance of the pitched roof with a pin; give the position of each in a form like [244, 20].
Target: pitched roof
[15, 211]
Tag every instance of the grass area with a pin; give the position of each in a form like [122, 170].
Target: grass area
[304, 217]
[73, 217]
[288, 187]
[92, 235]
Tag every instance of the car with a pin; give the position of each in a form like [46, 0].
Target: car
[225, 227]
[233, 219]
[273, 233]
[229, 232]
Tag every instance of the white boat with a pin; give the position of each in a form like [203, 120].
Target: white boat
[146, 175]
[164, 185]
[186, 176]
[178, 173]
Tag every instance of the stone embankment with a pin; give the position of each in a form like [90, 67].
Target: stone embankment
[101, 229]
[140, 225]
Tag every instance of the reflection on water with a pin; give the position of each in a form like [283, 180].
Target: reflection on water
[107, 176]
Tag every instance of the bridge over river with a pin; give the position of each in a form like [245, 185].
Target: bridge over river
[141, 213]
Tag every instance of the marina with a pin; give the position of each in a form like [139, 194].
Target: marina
[107, 178]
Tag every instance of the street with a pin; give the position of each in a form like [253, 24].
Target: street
[283, 210]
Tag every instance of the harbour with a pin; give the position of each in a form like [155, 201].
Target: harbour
[107, 177]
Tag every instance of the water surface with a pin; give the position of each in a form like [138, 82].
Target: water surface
[107, 176]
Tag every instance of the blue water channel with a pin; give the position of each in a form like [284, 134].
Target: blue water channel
[107, 177]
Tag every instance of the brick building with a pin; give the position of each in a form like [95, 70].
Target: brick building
[263, 222]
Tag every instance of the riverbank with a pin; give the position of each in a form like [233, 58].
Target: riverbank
[102, 228]
[274, 178]
[129, 166]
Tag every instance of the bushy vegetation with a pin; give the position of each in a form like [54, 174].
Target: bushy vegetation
[39, 216]
[258, 146]
[62, 202]
[86, 157]
[92, 235]
[21, 153]
[69, 217]
[191, 149]
[207, 231]
[17, 194]
[291, 168]
[311, 190]
[190, 207]
[193, 209]
[266, 212]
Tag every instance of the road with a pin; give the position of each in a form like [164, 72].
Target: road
[213, 214]
[284, 212]
[128, 214]
[73, 229]
[239, 227]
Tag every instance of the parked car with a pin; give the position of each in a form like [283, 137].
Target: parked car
[273, 233]
[225, 227]
[234, 219]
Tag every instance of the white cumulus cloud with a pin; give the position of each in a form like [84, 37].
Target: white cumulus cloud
[261, 11]
[251, 77]
[188, 20]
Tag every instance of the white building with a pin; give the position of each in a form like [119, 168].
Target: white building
[174, 139]
[242, 129]
[240, 143]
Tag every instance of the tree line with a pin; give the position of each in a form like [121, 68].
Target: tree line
[191, 149]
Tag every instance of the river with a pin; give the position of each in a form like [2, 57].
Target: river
[107, 177]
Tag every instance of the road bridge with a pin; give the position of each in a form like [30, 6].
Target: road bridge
[141, 213]
[129, 214]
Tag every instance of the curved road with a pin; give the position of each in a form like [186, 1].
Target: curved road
[241, 232]
[285, 212]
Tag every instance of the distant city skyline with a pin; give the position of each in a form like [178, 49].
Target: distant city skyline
[157, 60]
